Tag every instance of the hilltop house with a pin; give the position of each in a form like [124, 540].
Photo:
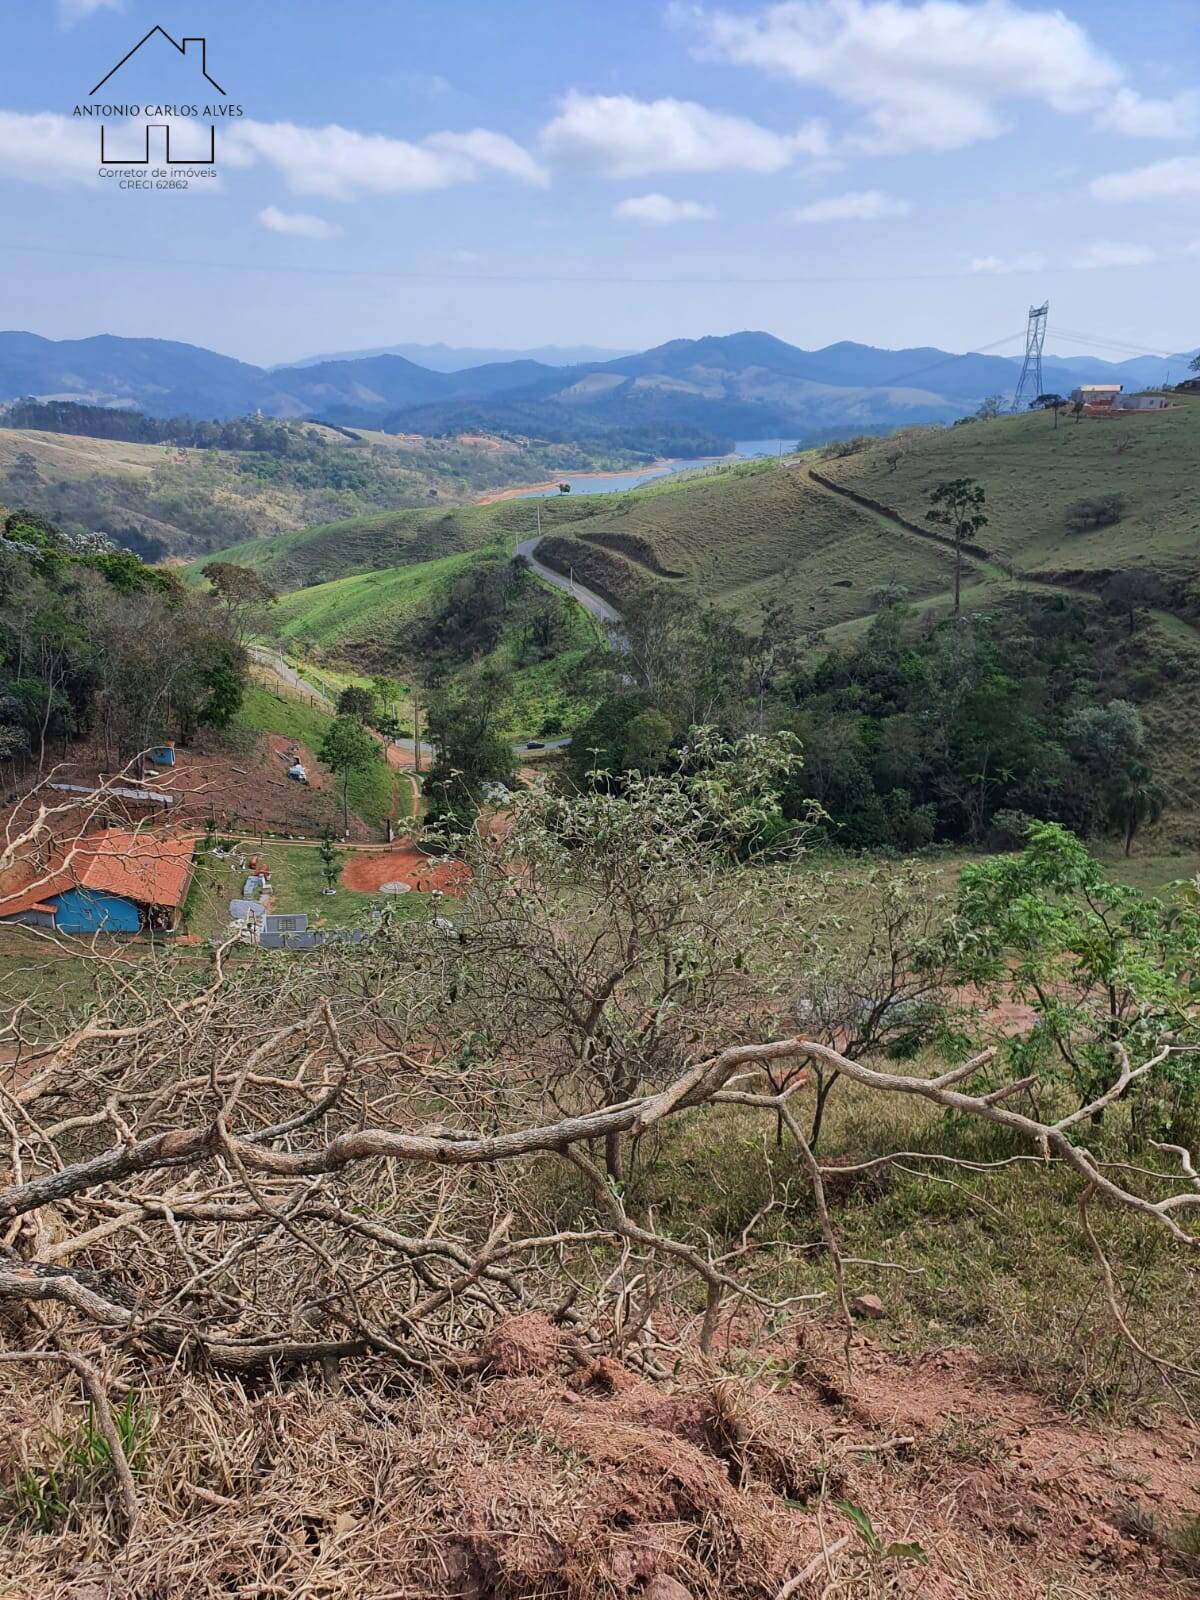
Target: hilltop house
[111, 882]
[1096, 394]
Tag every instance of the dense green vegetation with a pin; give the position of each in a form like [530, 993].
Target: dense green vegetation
[914, 735]
[94, 642]
[961, 731]
[757, 591]
[256, 434]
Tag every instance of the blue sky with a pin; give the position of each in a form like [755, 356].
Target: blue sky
[618, 172]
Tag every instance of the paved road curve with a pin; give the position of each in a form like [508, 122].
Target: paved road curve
[608, 616]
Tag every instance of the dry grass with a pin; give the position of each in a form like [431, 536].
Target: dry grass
[585, 1483]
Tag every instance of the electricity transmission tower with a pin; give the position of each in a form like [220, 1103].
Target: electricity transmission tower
[1030, 384]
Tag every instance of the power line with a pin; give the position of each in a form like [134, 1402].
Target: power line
[441, 276]
[1111, 344]
[945, 361]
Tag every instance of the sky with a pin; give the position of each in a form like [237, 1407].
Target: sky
[610, 172]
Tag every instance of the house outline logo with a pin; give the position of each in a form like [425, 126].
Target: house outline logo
[180, 46]
[192, 48]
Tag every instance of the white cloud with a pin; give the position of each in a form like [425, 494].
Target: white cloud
[621, 137]
[1113, 255]
[480, 148]
[337, 163]
[1001, 266]
[465, 258]
[857, 205]
[299, 224]
[43, 147]
[1129, 113]
[342, 164]
[931, 76]
[71, 11]
[1178, 178]
[659, 210]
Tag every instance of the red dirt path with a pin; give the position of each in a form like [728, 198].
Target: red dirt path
[404, 864]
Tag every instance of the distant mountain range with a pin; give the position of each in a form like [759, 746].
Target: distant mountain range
[742, 385]
[454, 358]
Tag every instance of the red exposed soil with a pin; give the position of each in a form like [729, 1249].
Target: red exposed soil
[404, 864]
[1006, 1496]
[245, 790]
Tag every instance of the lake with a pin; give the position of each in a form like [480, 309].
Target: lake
[614, 482]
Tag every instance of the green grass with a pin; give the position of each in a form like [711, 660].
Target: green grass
[363, 609]
[372, 791]
[34, 972]
[975, 1251]
[744, 539]
[368, 544]
[1032, 472]
[736, 533]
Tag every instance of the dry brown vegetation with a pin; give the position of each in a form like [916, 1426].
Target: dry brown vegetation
[361, 1263]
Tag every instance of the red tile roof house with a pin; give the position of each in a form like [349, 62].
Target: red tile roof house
[111, 882]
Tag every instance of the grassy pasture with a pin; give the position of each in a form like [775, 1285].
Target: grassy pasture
[355, 545]
[1032, 472]
[362, 609]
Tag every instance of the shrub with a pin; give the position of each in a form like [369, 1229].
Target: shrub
[1098, 511]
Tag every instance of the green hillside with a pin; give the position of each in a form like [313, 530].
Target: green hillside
[735, 534]
[1032, 472]
[357, 612]
[737, 537]
[369, 619]
[730, 534]
[366, 544]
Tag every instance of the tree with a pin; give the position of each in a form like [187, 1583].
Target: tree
[387, 692]
[1105, 738]
[1132, 589]
[1104, 967]
[357, 702]
[883, 595]
[331, 860]
[990, 408]
[957, 503]
[1194, 364]
[464, 724]
[1136, 799]
[241, 591]
[1109, 742]
[347, 748]
[647, 740]
[376, 1156]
